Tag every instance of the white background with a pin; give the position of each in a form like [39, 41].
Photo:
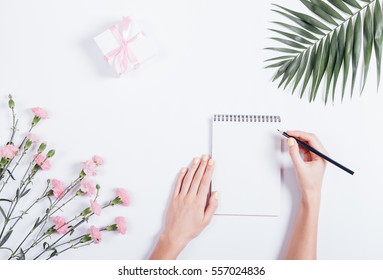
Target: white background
[150, 123]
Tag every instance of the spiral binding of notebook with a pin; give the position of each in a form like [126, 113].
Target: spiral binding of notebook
[247, 118]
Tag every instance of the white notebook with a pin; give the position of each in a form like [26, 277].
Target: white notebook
[246, 150]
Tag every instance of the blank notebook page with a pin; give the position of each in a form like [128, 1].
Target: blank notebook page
[246, 152]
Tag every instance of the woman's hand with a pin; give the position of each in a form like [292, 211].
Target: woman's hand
[190, 211]
[309, 169]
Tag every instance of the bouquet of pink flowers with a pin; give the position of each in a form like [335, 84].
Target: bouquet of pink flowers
[46, 233]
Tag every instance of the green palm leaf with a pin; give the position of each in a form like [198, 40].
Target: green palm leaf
[319, 45]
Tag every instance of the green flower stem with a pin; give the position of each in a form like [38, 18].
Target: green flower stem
[14, 125]
[13, 170]
[44, 220]
[15, 201]
[72, 229]
[54, 243]
[73, 246]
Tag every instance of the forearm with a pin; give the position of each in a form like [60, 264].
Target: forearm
[303, 243]
[166, 249]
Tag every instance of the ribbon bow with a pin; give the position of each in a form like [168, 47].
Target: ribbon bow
[121, 55]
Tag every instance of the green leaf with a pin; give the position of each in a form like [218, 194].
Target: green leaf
[327, 9]
[353, 3]
[292, 70]
[356, 49]
[297, 30]
[368, 30]
[348, 53]
[289, 43]
[378, 37]
[25, 192]
[278, 64]
[319, 12]
[294, 37]
[316, 69]
[22, 254]
[306, 18]
[341, 6]
[323, 65]
[305, 25]
[285, 50]
[5, 238]
[11, 175]
[279, 58]
[331, 63]
[309, 70]
[314, 54]
[54, 254]
[301, 70]
[339, 59]
[3, 213]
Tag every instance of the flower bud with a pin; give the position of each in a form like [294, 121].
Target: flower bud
[51, 153]
[111, 227]
[115, 201]
[86, 238]
[86, 211]
[27, 145]
[50, 230]
[11, 103]
[49, 193]
[35, 120]
[98, 187]
[42, 147]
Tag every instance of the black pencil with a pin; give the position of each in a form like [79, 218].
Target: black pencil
[304, 145]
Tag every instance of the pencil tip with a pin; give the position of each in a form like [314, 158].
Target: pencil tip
[279, 131]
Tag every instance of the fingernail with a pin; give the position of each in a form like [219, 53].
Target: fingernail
[183, 170]
[216, 195]
[211, 162]
[205, 157]
[291, 142]
[196, 160]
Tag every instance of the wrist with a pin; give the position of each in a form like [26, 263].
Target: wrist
[310, 200]
[168, 247]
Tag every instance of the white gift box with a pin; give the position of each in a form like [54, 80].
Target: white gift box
[125, 46]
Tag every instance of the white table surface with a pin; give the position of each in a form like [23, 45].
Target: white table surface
[150, 123]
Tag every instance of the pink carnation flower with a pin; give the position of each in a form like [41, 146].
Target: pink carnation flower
[121, 225]
[87, 187]
[41, 161]
[95, 234]
[89, 168]
[96, 208]
[124, 196]
[9, 151]
[58, 188]
[33, 137]
[98, 160]
[40, 112]
[60, 225]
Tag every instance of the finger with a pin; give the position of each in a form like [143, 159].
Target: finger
[189, 176]
[177, 186]
[309, 138]
[211, 208]
[198, 175]
[294, 152]
[204, 186]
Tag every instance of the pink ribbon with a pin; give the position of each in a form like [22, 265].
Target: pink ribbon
[121, 55]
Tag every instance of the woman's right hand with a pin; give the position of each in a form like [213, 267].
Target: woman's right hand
[310, 168]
